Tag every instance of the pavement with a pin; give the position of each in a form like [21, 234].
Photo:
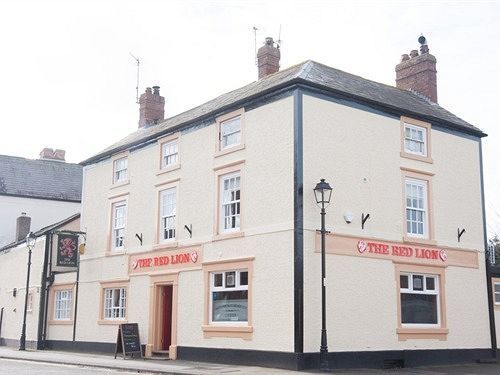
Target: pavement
[44, 362]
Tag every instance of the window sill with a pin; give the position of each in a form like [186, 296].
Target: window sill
[419, 241]
[60, 322]
[165, 245]
[113, 253]
[226, 236]
[118, 184]
[425, 159]
[243, 332]
[422, 333]
[112, 322]
[229, 150]
[168, 169]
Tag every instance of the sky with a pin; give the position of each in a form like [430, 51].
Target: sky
[68, 79]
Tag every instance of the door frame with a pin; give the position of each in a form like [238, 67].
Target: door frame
[156, 315]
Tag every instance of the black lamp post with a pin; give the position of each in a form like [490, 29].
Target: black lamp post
[323, 193]
[30, 244]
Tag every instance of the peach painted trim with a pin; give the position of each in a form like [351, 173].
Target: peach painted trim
[109, 246]
[156, 317]
[121, 155]
[219, 172]
[405, 333]
[119, 184]
[173, 184]
[119, 195]
[52, 295]
[219, 120]
[493, 281]
[171, 181]
[407, 120]
[123, 283]
[416, 171]
[236, 331]
[340, 244]
[422, 176]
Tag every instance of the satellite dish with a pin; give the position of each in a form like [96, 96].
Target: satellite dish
[422, 40]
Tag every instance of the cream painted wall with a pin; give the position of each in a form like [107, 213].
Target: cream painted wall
[358, 152]
[267, 216]
[13, 275]
[43, 212]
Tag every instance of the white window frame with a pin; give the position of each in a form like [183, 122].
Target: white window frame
[63, 300]
[411, 139]
[223, 137]
[425, 209]
[170, 153]
[223, 288]
[168, 217]
[116, 228]
[410, 290]
[495, 293]
[224, 202]
[120, 170]
[109, 307]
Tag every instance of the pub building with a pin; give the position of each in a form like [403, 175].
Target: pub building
[202, 228]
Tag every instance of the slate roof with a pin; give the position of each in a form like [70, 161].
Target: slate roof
[44, 230]
[40, 179]
[309, 73]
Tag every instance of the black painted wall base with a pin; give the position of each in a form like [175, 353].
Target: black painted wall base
[293, 361]
[338, 360]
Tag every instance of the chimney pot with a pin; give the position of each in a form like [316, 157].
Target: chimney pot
[268, 58]
[418, 72]
[23, 224]
[151, 107]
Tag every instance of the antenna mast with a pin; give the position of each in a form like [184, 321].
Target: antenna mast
[137, 83]
[255, 43]
[278, 42]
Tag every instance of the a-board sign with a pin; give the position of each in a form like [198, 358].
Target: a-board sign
[128, 341]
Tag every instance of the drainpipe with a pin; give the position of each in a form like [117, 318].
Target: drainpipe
[50, 280]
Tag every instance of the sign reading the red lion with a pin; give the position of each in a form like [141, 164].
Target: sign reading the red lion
[166, 259]
[66, 250]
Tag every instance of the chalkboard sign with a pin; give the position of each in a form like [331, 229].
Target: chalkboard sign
[128, 341]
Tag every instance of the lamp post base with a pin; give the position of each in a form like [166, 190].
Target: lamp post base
[323, 352]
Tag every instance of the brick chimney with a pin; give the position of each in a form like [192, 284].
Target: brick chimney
[23, 224]
[49, 154]
[268, 58]
[151, 107]
[417, 72]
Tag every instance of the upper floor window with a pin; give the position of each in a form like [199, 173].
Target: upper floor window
[230, 202]
[62, 308]
[167, 214]
[419, 299]
[416, 207]
[230, 132]
[170, 153]
[120, 170]
[119, 217]
[415, 139]
[229, 296]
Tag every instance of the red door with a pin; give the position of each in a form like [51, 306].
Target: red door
[167, 317]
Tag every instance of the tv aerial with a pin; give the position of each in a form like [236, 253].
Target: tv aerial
[138, 62]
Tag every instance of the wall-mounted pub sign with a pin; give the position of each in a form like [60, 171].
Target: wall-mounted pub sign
[65, 252]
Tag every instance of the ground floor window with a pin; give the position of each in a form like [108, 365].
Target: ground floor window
[229, 296]
[115, 303]
[419, 299]
[496, 291]
[62, 305]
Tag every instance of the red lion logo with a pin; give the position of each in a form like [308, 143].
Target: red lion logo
[67, 247]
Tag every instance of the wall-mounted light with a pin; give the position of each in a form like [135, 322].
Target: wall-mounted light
[348, 217]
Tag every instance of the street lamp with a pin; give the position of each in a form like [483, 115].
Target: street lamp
[323, 193]
[30, 244]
